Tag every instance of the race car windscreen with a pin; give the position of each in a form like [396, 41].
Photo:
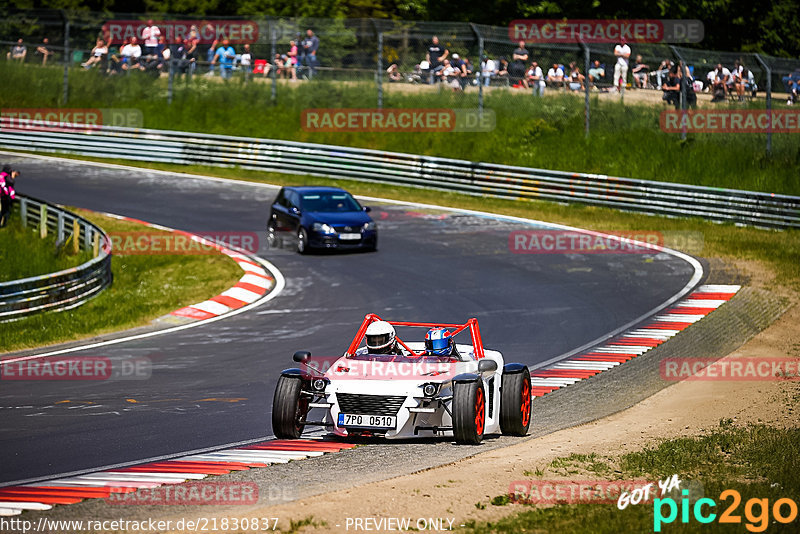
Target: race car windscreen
[330, 203]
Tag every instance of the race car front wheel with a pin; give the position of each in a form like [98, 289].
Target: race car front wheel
[469, 412]
[515, 403]
[289, 408]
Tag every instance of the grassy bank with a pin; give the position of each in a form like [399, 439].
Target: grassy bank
[625, 140]
[24, 254]
[758, 461]
[145, 287]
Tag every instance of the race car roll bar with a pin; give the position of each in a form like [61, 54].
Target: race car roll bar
[471, 324]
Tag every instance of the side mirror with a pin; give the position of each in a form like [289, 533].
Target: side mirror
[487, 366]
[294, 210]
[302, 356]
[367, 209]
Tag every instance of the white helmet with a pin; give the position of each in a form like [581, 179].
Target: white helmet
[380, 336]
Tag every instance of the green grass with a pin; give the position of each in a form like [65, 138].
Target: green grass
[547, 133]
[144, 287]
[24, 254]
[759, 461]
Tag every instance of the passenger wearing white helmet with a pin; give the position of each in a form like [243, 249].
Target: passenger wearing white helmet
[382, 339]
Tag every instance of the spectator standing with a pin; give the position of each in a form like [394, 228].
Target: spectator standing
[212, 50]
[190, 44]
[18, 52]
[291, 61]
[246, 61]
[435, 57]
[536, 79]
[150, 35]
[310, 48]
[516, 70]
[623, 53]
[639, 71]
[8, 178]
[488, 70]
[44, 50]
[225, 55]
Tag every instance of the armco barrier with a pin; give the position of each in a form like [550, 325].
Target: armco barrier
[64, 289]
[658, 198]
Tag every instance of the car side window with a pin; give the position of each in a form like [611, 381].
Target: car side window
[294, 200]
[281, 199]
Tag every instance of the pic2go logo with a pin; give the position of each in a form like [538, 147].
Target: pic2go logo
[756, 511]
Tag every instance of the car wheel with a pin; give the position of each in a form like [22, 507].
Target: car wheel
[515, 403]
[289, 408]
[302, 241]
[469, 412]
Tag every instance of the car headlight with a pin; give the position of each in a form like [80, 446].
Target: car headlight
[430, 390]
[319, 384]
[372, 225]
[324, 228]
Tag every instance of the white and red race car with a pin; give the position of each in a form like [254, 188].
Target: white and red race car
[412, 393]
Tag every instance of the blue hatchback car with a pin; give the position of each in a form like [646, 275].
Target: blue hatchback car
[320, 218]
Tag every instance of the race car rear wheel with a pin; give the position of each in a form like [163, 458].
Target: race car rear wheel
[515, 403]
[469, 412]
[289, 407]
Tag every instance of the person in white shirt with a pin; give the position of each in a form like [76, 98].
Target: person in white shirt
[623, 53]
[245, 60]
[150, 36]
[536, 79]
[98, 52]
[450, 75]
[131, 53]
[555, 75]
[488, 70]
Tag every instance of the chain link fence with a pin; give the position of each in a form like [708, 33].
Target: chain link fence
[386, 59]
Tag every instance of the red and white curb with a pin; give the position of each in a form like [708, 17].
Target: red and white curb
[629, 345]
[250, 287]
[70, 490]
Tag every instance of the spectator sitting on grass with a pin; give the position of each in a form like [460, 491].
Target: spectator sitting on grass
[246, 61]
[672, 87]
[555, 76]
[450, 75]
[575, 78]
[720, 82]
[99, 51]
[44, 50]
[535, 78]
[793, 89]
[596, 72]
[663, 70]
[131, 54]
[461, 70]
[394, 73]
[502, 69]
[640, 73]
[18, 52]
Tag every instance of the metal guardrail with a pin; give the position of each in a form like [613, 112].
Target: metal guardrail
[64, 289]
[485, 179]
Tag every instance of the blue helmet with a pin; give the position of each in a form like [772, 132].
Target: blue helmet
[439, 341]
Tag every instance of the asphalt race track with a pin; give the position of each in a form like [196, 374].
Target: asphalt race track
[213, 384]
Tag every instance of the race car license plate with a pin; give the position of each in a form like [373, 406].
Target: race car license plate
[349, 237]
[370, 421]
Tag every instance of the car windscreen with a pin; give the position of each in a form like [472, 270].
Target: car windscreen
[401, 358]
[332, 202]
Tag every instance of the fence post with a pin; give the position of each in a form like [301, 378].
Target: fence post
[768, 102]
[43, 221]
[683, 68]
[76, 236]
[170, 79]
[60, 227]
[379, 72]
[273, 70]
[481, 54]
[586, 65]
[65, 94]
[23, 211]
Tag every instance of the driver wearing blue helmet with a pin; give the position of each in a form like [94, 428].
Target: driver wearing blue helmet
[440, 342]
